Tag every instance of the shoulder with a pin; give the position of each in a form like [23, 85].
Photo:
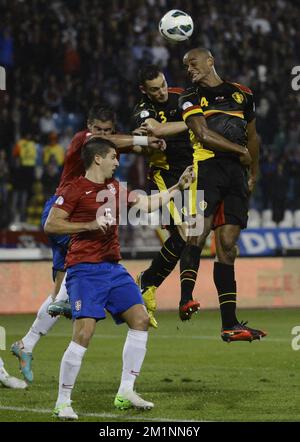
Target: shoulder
[242, 88]
[175, 90]
[79, 139]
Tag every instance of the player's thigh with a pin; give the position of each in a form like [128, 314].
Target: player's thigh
[172, 213]
[88, 287]
[226, 236]
[124, 294]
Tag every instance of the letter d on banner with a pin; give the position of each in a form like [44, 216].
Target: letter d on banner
[2, 338]
[2, 79]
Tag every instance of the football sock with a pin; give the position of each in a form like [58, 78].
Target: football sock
[69, 369]
[42, 324]
[164, 262]
[226, 287]
[62, 295]
[1, 363]
[189, 265]
[133, 356]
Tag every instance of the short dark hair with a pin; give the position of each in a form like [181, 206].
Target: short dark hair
[102, 113]
[148, 72]
[94, 146]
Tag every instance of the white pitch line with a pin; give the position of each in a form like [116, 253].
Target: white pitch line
[100, 415]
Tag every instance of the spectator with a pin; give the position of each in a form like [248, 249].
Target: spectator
[53, 151]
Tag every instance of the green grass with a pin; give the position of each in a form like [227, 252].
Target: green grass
[189, 373]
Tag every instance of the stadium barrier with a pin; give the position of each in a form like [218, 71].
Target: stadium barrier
[262, 282]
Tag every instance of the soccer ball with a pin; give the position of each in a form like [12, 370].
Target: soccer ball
[176, 26]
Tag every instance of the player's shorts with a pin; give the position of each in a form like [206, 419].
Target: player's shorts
[226, 191]
[94, 288]
[58, 243]
[177, 210]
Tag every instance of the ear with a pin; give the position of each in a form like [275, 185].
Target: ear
[210, 62]
[142, 89]
[98, 159]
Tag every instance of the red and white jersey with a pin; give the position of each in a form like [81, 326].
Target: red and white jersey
[82, 200]
[73, 166]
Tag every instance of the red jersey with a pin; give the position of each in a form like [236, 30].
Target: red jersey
[73, 166]
[82, 200]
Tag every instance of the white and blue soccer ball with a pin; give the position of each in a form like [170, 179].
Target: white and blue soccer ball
[176, 26]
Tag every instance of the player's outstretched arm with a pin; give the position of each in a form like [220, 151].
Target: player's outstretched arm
[127, 143]
[253, 147]
[57, 223]
[157, 129]
[215, 141]
[154, 202]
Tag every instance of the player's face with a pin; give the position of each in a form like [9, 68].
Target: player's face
[197, 65]
[156, 89]
[102, 128]
[109, 164]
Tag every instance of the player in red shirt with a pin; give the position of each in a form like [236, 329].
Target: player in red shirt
[88, 210]
[101, 121]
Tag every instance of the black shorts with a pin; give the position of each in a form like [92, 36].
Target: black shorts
[173, 213]
[226, 191]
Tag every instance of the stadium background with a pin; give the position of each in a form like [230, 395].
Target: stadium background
[61, 57]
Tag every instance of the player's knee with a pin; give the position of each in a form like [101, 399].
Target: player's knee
[83, 337]
[141, 322]
[228, 249]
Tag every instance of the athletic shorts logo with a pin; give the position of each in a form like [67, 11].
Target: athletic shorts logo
[239, 98]
[78, 305]
[112, 188]
[60, 200]
[186, 105]
[203, 205]
[144, 114]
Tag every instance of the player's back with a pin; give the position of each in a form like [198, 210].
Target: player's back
[73, 165]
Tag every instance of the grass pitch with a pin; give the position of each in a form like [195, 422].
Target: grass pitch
[189, 373]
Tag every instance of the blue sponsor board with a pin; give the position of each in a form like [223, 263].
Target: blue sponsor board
[267, 242]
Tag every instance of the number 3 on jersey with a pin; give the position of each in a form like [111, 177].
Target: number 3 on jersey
[163, 118]
[204, 102]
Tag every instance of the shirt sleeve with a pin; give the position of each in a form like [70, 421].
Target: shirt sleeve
[189, 104]
[68, 199]
[142, 112]
[249, 112]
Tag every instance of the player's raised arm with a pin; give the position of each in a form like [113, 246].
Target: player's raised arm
[212, 139]
[154, 202]
[127, 143]
[157, 129]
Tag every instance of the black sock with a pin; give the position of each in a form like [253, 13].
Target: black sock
[226, 286]
[164, 262]
[189, 265]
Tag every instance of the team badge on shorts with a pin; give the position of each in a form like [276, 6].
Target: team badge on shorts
[202, 205]
[239, 98]
[78, 305]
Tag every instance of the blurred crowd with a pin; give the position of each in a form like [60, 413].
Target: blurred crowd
[63, 56]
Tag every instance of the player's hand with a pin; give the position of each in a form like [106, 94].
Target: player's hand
[245, 158]
[187, 178]
[140, 131]
[101, 223]
[252, 180]
[157, 143]
[151, 127]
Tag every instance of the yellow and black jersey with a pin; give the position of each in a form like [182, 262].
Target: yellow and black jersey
[179, 153]
[227, 108]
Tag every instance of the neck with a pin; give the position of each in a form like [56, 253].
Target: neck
[211, 80]
[95, 175]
